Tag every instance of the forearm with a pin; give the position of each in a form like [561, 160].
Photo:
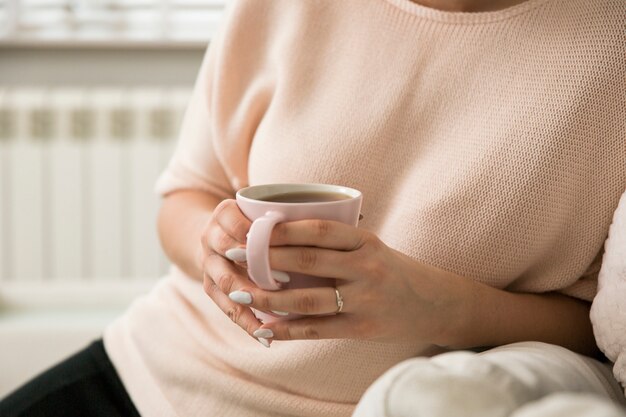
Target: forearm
[493, 317]
[182, 218]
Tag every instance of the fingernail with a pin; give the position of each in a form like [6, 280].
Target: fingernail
[236, 254]
[280, 313]
[281, 276]
[264, 342]
[263, 333]
[241, 297]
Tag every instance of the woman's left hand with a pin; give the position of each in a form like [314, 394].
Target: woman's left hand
[387, 295]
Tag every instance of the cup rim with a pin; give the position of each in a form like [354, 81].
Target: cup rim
[244, 192]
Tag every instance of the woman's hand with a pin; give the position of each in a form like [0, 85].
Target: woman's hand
[226, 232]
[387, 295]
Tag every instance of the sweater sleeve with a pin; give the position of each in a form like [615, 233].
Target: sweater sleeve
[195, 163]
[586, 287]
[608, 311]
[224, 110]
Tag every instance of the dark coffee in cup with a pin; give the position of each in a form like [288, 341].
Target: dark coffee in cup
[305, 197]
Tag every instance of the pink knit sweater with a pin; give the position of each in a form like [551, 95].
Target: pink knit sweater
[489, 144]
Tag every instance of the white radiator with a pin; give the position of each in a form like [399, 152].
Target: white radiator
[77, 214]
[77, 170]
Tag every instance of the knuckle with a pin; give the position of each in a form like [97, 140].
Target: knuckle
[306, 304]
[208, 259]
[220, 208]
[240, 228]
[224, 242]
[210, 256]
[310, 332]
[230, 202]
[321, 228]
[357, 246]
[367, 241]
[306, 259]
[373, 267]
[234, 313]
[226, 282]
[262, 302]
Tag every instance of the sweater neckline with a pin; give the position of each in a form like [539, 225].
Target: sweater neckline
[466, 18]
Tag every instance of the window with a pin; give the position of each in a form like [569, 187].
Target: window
[144, 21]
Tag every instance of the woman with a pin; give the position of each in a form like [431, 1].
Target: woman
[487, 138]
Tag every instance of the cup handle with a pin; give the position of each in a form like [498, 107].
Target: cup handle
[257, 250]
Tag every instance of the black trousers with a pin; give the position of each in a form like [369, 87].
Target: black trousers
[85, 385]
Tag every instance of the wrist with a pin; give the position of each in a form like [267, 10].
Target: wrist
[477, 315]
[464, 318]
[451, 305]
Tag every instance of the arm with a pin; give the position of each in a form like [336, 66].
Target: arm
[181, 221]
[495, 317]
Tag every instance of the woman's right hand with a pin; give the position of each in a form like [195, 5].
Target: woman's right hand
[226, 230]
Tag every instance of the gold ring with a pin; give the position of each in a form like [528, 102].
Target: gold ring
[339, 301]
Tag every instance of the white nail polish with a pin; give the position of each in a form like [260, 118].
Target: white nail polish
[281, 276]
[236, 254]
[263, 333]
[264, 342]
[241, 297]
[280, 313]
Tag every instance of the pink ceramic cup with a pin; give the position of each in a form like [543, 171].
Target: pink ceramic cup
[265, 215]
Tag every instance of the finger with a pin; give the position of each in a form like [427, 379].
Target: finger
[315, 261]
[232, 220]
[219, 241]
[239, 314]
[321, 300]
[330, 327]
[227, 276]
[322, 233]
